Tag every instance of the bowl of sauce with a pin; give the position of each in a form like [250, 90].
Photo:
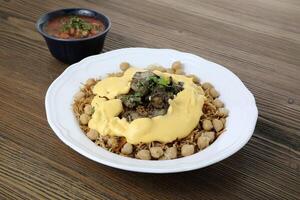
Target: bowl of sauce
[74, 33]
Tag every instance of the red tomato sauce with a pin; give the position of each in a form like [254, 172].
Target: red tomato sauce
[74, 27]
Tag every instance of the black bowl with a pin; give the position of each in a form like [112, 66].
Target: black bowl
[73, 50]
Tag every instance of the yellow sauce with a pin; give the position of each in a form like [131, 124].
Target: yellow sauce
[181, 118]
[112, 86]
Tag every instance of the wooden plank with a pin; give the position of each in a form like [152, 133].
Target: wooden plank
[252, 171]
[276, 95]
[257, 40]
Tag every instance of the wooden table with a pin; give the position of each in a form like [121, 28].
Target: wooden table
[258, 40]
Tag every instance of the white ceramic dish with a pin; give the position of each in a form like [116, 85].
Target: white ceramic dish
[238, 99]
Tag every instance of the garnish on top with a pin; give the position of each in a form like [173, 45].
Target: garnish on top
[77, 23]
[74, 27]
[149, 95]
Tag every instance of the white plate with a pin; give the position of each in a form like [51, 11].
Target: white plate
[238, 99]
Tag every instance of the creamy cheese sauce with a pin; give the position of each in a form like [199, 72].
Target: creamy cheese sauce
[182, 116]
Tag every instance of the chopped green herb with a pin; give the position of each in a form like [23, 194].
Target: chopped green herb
[164, 81]
[138, 94]
[140, 84]
[77, 23]
[153, 79]
[156, 80]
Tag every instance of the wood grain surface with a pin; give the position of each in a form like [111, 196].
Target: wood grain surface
[259, 40]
